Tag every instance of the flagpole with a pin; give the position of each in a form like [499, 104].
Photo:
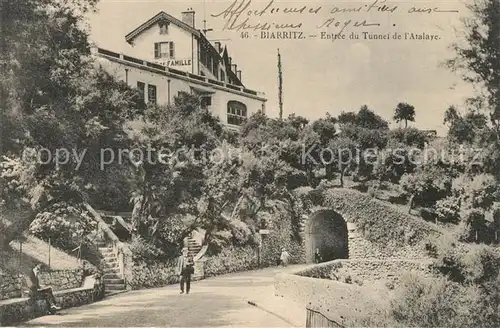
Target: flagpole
[280, 87]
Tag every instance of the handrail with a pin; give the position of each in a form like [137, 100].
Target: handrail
[201, 253]
[119, 248]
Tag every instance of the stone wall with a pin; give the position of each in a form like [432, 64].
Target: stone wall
[13, 285]
[335, 300]
[364, 272]
[10, 286]
[362, 248]
[62, 279]
[21, 309]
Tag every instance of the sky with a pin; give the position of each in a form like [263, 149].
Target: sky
[320, 75]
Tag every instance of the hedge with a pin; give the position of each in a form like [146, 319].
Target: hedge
[151, 275]
[231, 259]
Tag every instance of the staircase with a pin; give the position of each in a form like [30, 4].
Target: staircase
[113, 281]
[193, 249]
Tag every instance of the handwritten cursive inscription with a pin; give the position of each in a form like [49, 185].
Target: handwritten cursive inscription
[426, 10]
[238, 15]
[247, 15]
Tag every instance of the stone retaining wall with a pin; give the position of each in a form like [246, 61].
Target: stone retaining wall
[13, 285]
[366, 271]
[21, 309]
[62, 279]
[10, 286]
[336, 301]
[361, 248]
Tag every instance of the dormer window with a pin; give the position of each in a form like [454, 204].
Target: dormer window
[163, 27]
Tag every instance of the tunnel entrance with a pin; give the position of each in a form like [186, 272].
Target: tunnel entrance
[326, 230]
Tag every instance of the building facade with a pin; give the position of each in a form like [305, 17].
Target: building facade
[168, 56]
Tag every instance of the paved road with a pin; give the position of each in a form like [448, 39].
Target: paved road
[215, 302]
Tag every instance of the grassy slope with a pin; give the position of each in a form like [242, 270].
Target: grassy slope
[34, 251]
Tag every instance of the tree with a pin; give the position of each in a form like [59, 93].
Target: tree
[451, 115]
[428, 183]
[367, 119]
[404, 112]
[478, 58]
[61, 102]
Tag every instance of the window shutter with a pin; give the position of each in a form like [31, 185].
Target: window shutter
[157, 50]
[172, 50]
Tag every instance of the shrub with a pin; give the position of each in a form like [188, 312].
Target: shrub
[150, 275]
[231, 259]
[433, 302]
[65, 224]
[448, 209]
[464, 263]
[142, 251]
[428, 214]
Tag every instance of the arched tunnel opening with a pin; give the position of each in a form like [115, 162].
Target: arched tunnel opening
[326, 231]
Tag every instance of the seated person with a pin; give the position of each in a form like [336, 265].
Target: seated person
[35, 288]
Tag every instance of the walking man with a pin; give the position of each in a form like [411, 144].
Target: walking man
[185, 268]
[35, 288]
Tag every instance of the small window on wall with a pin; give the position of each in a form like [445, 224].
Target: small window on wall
[164, 50]
[141, 86]
[152, 94]
[236, 112]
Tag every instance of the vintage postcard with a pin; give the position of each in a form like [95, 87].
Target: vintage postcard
[249, 163]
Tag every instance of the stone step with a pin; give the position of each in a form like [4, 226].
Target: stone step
[115, 286]
[112, 265]
[112, 271]
[109, 256]
[112, 281]
[110, 259]
[111, 276]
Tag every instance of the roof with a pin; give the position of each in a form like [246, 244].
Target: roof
[155, 19]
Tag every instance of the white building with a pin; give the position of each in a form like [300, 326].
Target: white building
[168, 55]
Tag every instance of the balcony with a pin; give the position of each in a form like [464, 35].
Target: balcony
[170, 71]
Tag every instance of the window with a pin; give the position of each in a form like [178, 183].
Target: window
[164, 50]
[205, 101]
[222, 76]
[141, 86]
[152, 94]
[236, 113]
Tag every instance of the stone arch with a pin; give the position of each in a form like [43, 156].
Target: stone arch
[326, 230]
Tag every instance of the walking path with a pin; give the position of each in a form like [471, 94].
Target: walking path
[215, 302]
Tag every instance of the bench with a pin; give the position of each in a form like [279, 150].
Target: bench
[21, 309]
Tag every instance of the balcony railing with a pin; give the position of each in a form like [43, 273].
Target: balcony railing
[177, 72]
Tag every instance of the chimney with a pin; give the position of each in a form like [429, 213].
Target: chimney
[188, 17]
[217, 46]
[238, 74]
[234, 68]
